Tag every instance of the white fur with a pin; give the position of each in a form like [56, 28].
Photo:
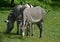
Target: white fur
[23, 34]
[7, 21]
[27, 6]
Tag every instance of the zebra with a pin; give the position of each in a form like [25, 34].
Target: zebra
[15, 15]
[31, 16]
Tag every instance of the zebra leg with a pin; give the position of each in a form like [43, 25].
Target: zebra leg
[18, 27]
[29, 29]
[32, 30]
[41, 29]
[22, 30]
[40, 25]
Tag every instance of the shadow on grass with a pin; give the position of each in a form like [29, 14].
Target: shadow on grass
[10, 36]
[1, 40]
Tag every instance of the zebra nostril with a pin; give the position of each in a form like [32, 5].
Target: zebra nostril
[6, 21]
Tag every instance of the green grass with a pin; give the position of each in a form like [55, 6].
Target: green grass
[51, 31]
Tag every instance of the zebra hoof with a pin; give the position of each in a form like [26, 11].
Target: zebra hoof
[40, 37]
[32, 35]
[23, 34]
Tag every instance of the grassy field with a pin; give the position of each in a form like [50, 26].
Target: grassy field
[51, 31]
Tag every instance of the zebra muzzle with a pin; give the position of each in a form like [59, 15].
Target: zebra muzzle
[6, 21]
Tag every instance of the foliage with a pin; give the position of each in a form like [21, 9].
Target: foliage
[34, 3]
[4, 3]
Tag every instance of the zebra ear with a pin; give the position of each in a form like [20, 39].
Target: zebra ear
[27, 6]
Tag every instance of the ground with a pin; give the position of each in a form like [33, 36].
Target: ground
[51, 32]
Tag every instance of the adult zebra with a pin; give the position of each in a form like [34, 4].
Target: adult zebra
[15, 15]
[31, 16]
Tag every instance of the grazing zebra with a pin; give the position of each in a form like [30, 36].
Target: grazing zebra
[31, 16]
[15, 15]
